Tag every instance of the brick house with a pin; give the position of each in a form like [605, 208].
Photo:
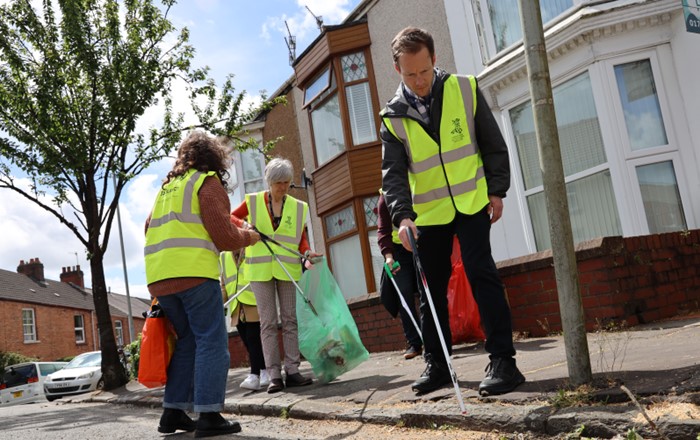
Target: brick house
[48, 319]
[613, 64]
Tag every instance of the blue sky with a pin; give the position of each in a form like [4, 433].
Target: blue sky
[245, 38]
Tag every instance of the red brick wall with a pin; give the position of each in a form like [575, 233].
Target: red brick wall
[55, 331]
[633, 279]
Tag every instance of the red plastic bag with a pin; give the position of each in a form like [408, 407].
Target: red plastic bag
[157, 347]
[465, 321]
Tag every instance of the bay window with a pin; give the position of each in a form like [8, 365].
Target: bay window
[592, 204]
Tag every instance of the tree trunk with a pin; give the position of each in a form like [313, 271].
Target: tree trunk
[113, 372]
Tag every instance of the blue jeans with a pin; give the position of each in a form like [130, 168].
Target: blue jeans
[199, 367]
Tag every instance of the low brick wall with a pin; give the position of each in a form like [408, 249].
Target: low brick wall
[633, 279]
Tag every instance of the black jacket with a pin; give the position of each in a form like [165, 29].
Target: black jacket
[490, 142]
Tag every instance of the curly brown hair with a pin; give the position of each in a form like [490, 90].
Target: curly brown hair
[204, 153]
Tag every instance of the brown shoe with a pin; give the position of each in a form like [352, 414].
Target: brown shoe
[412, 352]
[297, 380]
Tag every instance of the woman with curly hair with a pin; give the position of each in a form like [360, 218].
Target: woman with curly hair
[188, 227]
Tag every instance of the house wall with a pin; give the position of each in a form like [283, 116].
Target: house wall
[630, 281]
[54, 329]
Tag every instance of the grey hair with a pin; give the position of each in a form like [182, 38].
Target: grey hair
[278, 170]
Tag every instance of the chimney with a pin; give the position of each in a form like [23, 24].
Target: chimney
[34, 269]
[73, 275]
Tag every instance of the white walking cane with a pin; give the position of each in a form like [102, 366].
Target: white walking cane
[403, 301]
[426, 290]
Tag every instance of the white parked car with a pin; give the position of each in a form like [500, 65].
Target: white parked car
[81, 375]
[24, 383]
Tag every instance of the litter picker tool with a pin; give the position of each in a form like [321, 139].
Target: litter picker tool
[426, 291]
[387, 269]
[228, 301]
[264, 238]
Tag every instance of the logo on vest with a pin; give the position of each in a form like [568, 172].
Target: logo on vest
[288, 221]
[457, 130]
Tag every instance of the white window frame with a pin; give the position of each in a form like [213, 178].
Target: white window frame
[631, 207]
[79, 329]
[29, 337]
[119, 332]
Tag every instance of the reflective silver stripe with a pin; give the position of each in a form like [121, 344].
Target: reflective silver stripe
[252, 209]
[403, 137]
[287, 259]
[185, 217]
[465, 86]
[286, 239]
[300, 219]
[444, 192]
[260, 259]
[447, 157]
[227, 278]
[180, 242]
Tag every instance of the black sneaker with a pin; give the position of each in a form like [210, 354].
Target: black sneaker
[435, 376]
[502, 376]
[412, 352]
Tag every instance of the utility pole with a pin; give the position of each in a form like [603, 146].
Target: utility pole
[126, 276]
[565, 268]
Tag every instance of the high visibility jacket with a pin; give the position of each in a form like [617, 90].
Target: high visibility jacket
[233, 280]
[260, 264]
[446, 177]
[177, 244]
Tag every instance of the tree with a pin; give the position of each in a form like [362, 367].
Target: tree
[72, 87]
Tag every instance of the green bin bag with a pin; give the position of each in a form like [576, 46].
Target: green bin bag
[328, 335]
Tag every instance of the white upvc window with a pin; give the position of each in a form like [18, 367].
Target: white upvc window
[500, 21]
[28, 325]
[592, 202]
[253, 166]
[119, 333]
[79, 327]
[651, 165]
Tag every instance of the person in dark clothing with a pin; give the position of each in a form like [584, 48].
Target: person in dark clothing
[445, 170]
[405, 277]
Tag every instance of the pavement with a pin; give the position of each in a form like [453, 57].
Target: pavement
[658, 363]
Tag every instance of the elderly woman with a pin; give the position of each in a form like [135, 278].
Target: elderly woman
[187, 227]
[280, 216]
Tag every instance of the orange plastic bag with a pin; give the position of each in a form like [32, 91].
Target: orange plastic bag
[465, 321]
[157, 347]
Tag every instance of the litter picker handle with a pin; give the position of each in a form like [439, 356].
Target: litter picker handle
[389, 269]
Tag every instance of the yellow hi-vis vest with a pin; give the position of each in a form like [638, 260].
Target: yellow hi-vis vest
[233, 280]
[449, 175]
[177, 244]
[260, 264]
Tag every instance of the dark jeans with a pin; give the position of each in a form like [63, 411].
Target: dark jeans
[250, 335]
[434, 250]
[406, 280]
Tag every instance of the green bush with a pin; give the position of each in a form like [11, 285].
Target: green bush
[134, 350]
[10, 358]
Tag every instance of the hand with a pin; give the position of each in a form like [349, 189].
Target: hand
[495, 208]
[254, 237]
[407, 227]
[389, 261]
[309, 257]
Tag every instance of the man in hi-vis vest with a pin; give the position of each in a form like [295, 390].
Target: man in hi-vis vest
[445, 170]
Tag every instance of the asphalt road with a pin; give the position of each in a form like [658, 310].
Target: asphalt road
[87, 421]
